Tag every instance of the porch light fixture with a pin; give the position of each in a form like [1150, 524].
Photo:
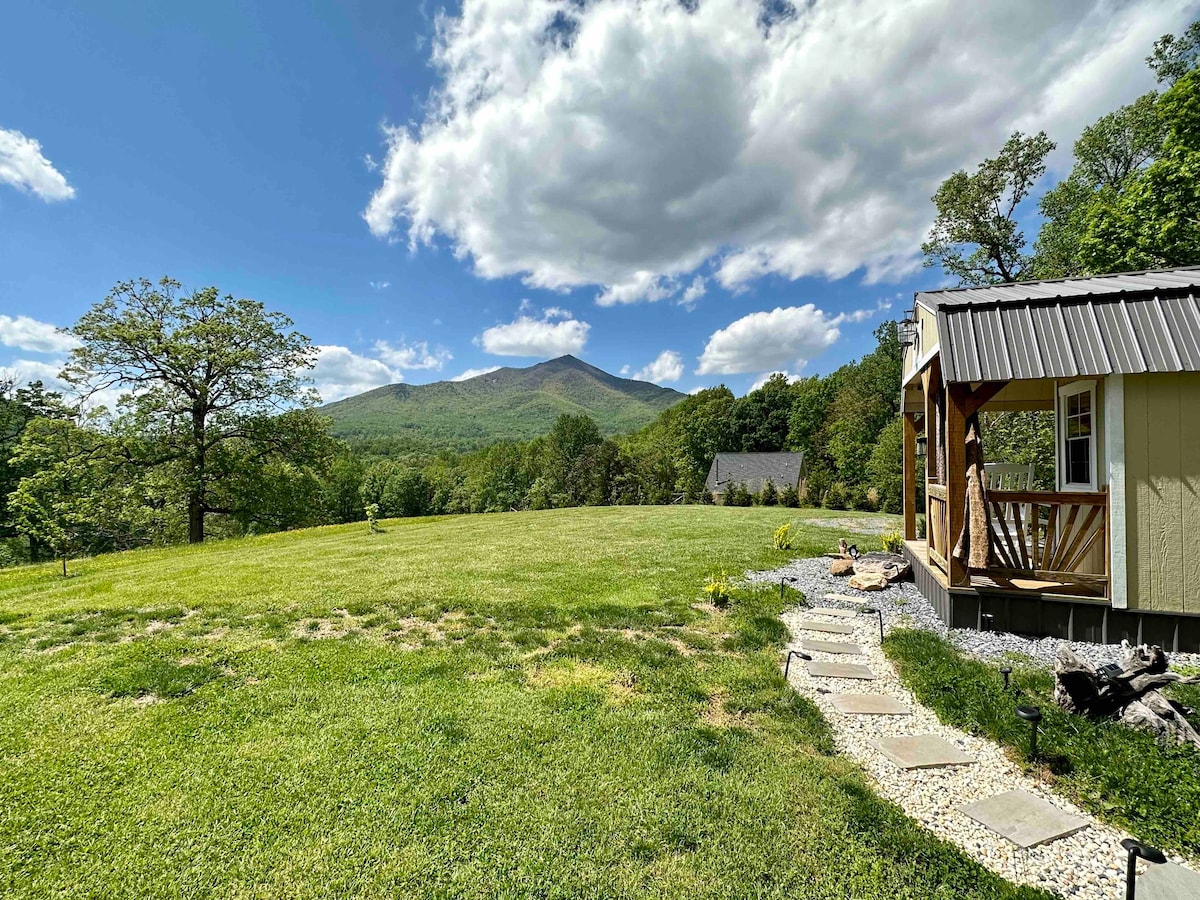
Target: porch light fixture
[906, 330]
[1137, 849]
[1032, 715]
[922, 446]
[788, 662]
[872, 610]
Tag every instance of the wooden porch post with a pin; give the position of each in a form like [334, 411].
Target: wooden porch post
[957, 397]
[910, 476]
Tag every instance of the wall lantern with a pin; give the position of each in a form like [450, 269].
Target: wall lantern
[922, 446]
[907, 330]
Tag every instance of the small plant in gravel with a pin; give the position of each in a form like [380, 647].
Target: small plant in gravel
[783, 536]
[893, 541]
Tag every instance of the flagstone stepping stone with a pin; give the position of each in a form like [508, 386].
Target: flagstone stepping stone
[1168, 882]
[833, 611]
[838, 670]
[869, 705]
[924, 751]
[1024, 819]
[846, 598]
[827, 627]
[831, 647]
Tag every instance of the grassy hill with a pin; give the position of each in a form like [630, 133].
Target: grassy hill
[508, 404]
[527, 704]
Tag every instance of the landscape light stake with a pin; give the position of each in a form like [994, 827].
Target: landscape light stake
[1146, 852]
[871, 610]
[1006, 671]
[987, 622]
[1032, 715]
[785, 578]
[788, 662]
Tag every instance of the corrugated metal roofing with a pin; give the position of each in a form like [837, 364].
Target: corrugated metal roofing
[1121, 283]
[1142, 322]
[754, 470]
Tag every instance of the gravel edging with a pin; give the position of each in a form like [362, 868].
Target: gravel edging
[1088, 865]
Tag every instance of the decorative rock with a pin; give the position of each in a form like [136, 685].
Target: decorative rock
[841, 567]
[891, 566]
[868, 582]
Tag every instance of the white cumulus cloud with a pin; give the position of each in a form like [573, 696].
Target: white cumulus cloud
[417, 355]
[783, 337]
[667, 366]
[628, 143]
[340, 372]
[474, 373]
[23, 166]
[767, 376]
[548, 335]
[25, 333]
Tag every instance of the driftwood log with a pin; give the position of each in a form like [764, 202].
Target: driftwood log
[1128, 692]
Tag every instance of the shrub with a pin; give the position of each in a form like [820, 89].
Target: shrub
[718, 589]
[789, 497]
[837, 497]
[372, 511]
[769, 496]
[893, 541]
[738, 495]
[783, 536]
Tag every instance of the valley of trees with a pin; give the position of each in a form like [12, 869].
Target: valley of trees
[215, 433]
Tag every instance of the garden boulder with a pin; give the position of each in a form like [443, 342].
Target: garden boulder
[892, 566]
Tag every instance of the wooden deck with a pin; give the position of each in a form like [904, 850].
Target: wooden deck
[990, 582]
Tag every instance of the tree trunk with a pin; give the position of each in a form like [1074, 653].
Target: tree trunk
[195, 520]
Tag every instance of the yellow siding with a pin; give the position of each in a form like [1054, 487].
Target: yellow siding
[1162, 480]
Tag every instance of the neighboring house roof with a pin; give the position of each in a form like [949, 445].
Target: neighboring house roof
[1110, 324]
[754, 470]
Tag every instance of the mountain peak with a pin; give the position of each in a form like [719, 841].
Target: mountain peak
[508, 404]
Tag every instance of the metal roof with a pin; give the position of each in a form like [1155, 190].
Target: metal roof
[1129, 323]
[753, 470]
[1119, 283]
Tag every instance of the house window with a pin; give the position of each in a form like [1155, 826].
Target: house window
[1077, 436]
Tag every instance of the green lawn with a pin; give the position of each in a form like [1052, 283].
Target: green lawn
[527, 704]
[1123, 776]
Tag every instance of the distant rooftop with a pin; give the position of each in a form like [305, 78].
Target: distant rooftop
[754, 470]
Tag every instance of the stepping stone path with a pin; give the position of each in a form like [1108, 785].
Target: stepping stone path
[869, 705]
[922, 751]
[815, 646]
[961, 787]
[826, 627]
[839, 670]
[1024, 819]
[833, 611]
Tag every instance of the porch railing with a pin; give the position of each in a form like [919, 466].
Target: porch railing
[937, 525]
[1051, 536]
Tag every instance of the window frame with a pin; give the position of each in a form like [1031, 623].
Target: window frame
[1065, 393]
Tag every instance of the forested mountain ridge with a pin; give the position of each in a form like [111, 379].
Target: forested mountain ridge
[509, 404]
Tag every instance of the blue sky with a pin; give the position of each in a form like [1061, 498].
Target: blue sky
[428, 191]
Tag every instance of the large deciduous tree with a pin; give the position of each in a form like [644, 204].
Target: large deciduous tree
[205, 378]
[975, 236]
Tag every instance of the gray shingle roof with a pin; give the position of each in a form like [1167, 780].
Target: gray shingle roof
[1129, 323]
[753, 470]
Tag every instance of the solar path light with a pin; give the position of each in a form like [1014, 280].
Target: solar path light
[788, 579]
[1032, 715]
[1137, 849]
[788, 662]
[872, 610]
[1006, 671]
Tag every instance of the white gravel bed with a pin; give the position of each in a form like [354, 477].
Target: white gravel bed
[1088, 864]
[904, 606]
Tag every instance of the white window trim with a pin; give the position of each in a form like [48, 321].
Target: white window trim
[1060, 436]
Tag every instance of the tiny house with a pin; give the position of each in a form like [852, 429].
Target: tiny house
[1113, 550]
[753, 470]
